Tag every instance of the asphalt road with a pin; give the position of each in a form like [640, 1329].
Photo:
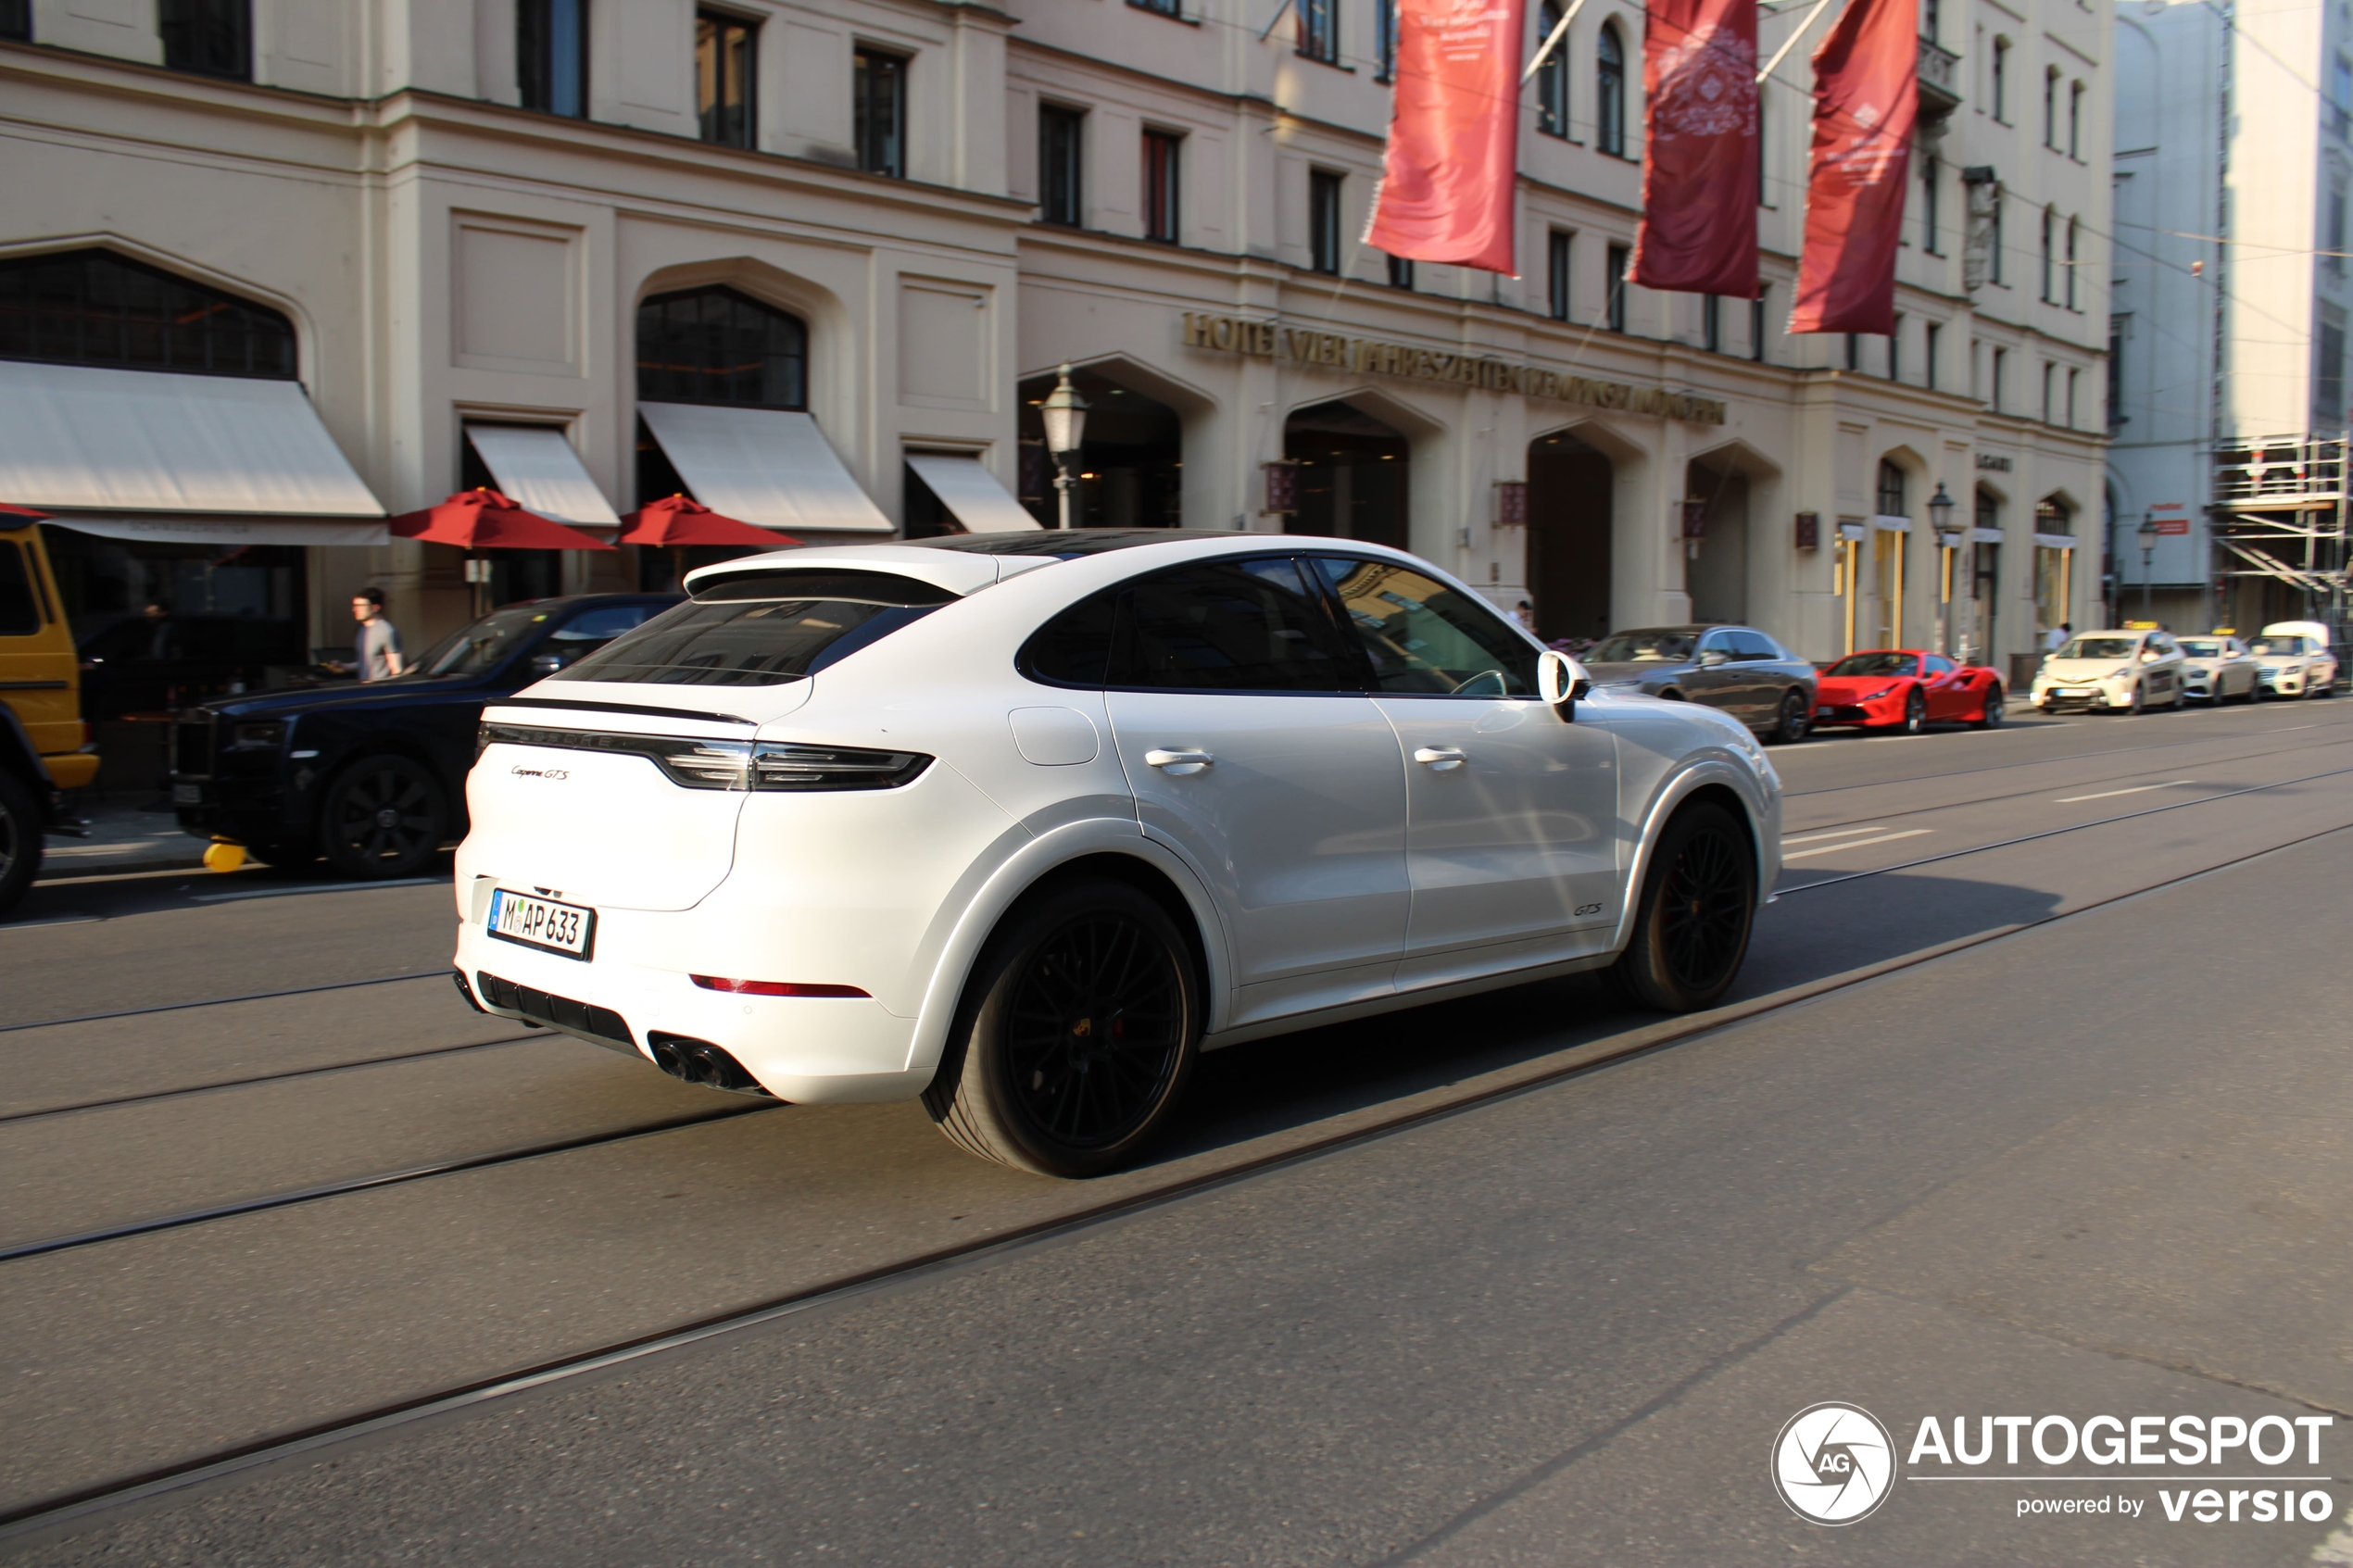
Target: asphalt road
[2032, 1100]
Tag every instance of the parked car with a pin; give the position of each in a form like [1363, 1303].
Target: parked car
[373, 776]
[2218, 669]
[2111, 671]
[1906, 690]
[2293, 659]
[44, 746]
[1019, 824]
[1736, 669]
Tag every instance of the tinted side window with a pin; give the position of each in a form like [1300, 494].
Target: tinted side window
[1074, 649]
[1238, 626]
[1423, 637]
[1716, 642]
[19, 613]
[1939, 665]
[1752, 645]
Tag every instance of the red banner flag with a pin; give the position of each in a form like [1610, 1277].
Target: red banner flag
[1699, 166]
[1867, 96]
[1452, 177]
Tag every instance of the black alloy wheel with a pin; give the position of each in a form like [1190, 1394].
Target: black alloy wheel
[1915, 712]
[2139, 703]
[1991, 716]
[1078, 1030]
[383, 817]
[21, 838]
[1698, 903]
[1796, 720]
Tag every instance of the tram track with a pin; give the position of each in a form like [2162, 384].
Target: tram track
[441, 974]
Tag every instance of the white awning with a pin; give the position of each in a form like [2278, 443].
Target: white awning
[2055, 541]
[971, 492]
[219, 528]
[765, 466]
[1887, 524]
[145, 441]
[535, 467]
[1985, 535]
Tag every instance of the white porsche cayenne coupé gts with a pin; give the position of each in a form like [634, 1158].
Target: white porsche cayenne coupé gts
[1020, 824]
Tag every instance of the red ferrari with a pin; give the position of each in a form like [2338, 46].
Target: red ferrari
[1904, 690]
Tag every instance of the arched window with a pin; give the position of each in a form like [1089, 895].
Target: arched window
[95, 307]
[1891, 489]
[2053, 515]
[715, 346]
[1552, 83]
[1609, 92]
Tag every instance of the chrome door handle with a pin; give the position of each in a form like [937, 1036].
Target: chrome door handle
[1186, 759]
[1441, 757]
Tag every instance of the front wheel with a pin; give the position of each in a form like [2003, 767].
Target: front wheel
[1698, 902]
[1078, 1031]
[383, 817]
[21, 838]
[1991, 716]
[1795, 719]
[2137, 706]
[1915, 713]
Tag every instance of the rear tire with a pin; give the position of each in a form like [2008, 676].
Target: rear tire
[1076, 1035]
[1994, 712]
[1692, 927]
[383, 817]
[1796, 720]
[21, 838]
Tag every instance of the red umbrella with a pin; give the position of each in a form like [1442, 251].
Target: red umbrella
[484, 519]
[678, 520]
[22, 511]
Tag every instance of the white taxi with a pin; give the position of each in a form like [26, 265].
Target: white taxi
[2293, 659]
[2111, 672]
[2218, 669]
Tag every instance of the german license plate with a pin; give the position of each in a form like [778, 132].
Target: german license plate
[187, 795]
[1824, 711]
[2075, 691]
[543, 924]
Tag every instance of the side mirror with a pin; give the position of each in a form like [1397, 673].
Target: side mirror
[1561, 681]
[546, 664]
[1710, 658]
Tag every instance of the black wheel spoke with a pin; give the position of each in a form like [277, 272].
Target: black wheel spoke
[1092, 1034]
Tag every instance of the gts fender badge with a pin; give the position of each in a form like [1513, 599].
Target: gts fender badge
[549, 774]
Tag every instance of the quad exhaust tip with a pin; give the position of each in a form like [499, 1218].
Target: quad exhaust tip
[699, 1061]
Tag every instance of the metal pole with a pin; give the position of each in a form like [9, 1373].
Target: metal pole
[1064, 485]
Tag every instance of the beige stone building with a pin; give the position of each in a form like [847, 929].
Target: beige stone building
[595, 251]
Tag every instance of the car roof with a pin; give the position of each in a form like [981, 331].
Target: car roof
[1070, 544]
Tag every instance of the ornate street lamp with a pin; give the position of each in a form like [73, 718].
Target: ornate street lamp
[1948, 540]
[2147, 531]
[1066, 414]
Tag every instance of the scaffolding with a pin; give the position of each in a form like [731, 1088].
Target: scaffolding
[2279, 511]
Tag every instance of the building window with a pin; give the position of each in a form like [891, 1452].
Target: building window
[551, 56]
[2053, 516]
[2049, 222]
[723, 58]
[1319, 30]
[878, 93]
[1552, 81]
[1757, 326]
[2050, 385]
[1896, 350]
[1556, 257]
[1609, 92]
[1061, 158]
[2050, 108]
[2002, 79]
[2075, 121]
[1931, 351]
[2116, 334]
[1932, 193]
[1323, 220]
[715, 346]
[1400, 272]
[2001, 377]
[95, 307]
[1384, 40]
[16, 21]
[1993, 233]
[1618, 256]
[2334, 261]
[1711, 323]
[2329, 379]
[2074, 229]
[1854, 351]
[1163, 170]
[1932, 20]
[1159, 7]
[208, 37]
[2074, 379]
[1891, 489]
[2340, 95]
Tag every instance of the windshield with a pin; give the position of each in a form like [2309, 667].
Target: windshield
[2201, 647]
[1644, 647]
[484, 644]
[2277, 646]
[1875, 664]
[728, 637]
[2100, 647]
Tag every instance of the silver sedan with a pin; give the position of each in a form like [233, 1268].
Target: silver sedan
[2219, 669]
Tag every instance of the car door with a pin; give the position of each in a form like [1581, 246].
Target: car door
[1715, 677]
[1755, 657]
[1255, 752]
[1512, 830]
[2238, 666]
[1946, 687]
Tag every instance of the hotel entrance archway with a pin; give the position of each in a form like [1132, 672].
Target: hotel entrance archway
[1352, 474]
[1716, 571]
[1131, 468]
[1570, 487]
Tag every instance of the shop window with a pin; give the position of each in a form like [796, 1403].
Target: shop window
[1164, 185]
[207, 37]
[1609, 92]
[1557, 259]
[2053, 515]
[715, 346]
[16, 21]
[1891, 489]
[1062, 149]
[551, 56]
[725, 61]
[95, 307]
[1323, 220]
[878, 89]
[1552, 81]
[1319, 30]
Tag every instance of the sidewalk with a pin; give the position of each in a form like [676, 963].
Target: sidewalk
[124, 836]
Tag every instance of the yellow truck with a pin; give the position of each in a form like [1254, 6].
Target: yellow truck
[44, 746]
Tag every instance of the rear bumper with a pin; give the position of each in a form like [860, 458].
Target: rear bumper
[822, 1050]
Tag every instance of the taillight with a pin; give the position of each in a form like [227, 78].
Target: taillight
[772, 987]
[731, 764]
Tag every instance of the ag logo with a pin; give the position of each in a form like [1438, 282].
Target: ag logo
[1833, 1464]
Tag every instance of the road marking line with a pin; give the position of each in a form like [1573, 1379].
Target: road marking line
[333, 887]
[2111, 793]
[1858, 842]
[1839, 833]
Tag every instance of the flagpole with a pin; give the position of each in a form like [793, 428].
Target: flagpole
[1790, 43]
[1551, 39]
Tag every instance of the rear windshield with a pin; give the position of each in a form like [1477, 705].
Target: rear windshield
[2278, 645]
[762, 630]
